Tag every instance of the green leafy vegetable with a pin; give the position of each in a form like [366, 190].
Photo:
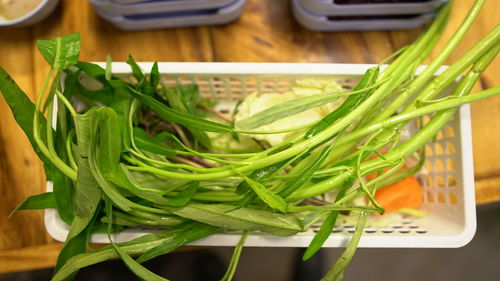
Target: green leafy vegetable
[138, 153]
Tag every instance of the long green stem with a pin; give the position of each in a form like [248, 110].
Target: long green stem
[65, 169]
[440, 118]
[423, 77]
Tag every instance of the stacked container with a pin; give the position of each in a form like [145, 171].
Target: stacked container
[155, 14]
[359, 15]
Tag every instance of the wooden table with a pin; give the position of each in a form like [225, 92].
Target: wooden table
[266, 32]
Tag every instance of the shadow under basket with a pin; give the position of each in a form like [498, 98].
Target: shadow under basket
[448, 180]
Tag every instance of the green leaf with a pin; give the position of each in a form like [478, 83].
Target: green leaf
[74, 246]
[37, 202]
[61, 52]
[305, 175]
[260, 176]
[87, 191]
[336, 272]
[155, 76]
[226, 216]
[109, 145]
[185, 195]
[135, 246]
[124, 179]
[136, 70]
[104, 153]
[190, 121]
[267, 196]
[368, 79]
[93, 70]
[184, 99]
[196, 232]
[23, 110]
[148, 143]
[283, 110]
[327, 226]
[139, 270]
[63, 188]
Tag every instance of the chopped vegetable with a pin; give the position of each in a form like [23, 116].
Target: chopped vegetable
[404, 194]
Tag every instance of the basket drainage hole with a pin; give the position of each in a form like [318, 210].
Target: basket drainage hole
[370, 230]
[404, 231]
[387, 230]
[421, 230]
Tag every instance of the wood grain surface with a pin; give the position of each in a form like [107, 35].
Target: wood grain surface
[266, 32]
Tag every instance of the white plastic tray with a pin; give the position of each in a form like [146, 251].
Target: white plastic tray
[222, 15]
[319, 22]
[330, 8]
[448, 185]
[113, 8]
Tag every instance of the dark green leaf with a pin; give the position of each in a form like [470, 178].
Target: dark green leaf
[87, 191]
[109, 145]
[73, 247]
[136, 70]
[226, 216]
[267, 196]
[135, 246]
[185, 195]
[327, 226]
[61, 52]
[23, 110]
[305, 175]
[148, 143]
[155, 76]
[197, 232]
[104, 153]
[93, 70]
[139, 270]
[190, 121]
[260, 176]
[336, 272]
[63, 188]
[348, 105]
[37, 202]
[124, 179]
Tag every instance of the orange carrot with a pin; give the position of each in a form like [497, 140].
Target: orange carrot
[404, 194]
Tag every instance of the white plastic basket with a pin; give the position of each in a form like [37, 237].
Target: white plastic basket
[448, 184]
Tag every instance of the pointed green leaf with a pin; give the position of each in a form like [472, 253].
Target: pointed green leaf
[61, 52]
